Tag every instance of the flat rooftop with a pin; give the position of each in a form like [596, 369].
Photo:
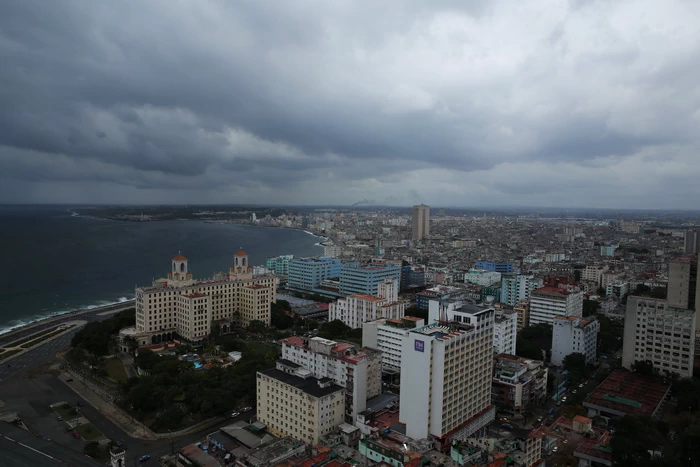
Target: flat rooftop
[309, 386]
[629, 393]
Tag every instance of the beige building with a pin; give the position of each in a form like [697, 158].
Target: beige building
[187, 307]
[593, 273]
[421, 222]
[522, 308]
[357, 369]
[446, 374]
[291, 402]
[357, 309]
[660, 334]
[681, 289]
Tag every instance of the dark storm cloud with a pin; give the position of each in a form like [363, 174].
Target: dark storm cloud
[275, 101]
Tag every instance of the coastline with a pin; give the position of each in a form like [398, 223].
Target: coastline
[24, 326]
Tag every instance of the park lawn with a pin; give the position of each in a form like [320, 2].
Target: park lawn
[115, 370]
[66, 411]
[41, 339]
[89, 432]
[9, 353]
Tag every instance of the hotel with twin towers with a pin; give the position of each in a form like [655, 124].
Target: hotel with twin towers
[181, 305]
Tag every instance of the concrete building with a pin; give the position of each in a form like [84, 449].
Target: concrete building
[518, 382]
[279, 265]
[593, 273]
[691, 242]
[617, 289]
[482, 277]
[411, 276]
[360, 308]
[421, 222]
[446, 372]
[503, 267]
[608, 250]
[625, 393]
[386, 335]
[517, 287]
[505, 331]
[181, 305]
[365, 279]
[629, 227]
[572, 334]
[660, 334]
[547, 303]
[306, 274]
[291, 402]
[522, 308]
[682, 283]
[356, 369]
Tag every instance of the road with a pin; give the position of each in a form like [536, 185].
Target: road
[27, 388]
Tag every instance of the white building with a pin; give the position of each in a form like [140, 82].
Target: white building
[662, 335]
[361, 308]
[188, 307]
[505, 331]
[517, 287]
[593, 273]
[446, 372]
[547, 303]
[574, 335]
[386, 335]
[356, 369]
[482, 277]
[291, 402]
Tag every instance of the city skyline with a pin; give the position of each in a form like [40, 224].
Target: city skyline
[443, 104]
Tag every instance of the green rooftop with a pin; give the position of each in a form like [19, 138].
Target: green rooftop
[623, 400]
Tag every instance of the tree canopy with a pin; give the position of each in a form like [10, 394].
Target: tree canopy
[96, 337]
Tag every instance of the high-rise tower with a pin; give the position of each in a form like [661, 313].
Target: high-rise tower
[421, 222]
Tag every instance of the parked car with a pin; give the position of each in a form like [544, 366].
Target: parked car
[144, 458]
[60, 419]
[581, 385]
[119, 443]
[76, 435]
[79, 404]
[507, 426]
[246, 409]
[235, 414]
[69, 380]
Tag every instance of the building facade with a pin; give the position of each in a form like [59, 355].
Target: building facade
[180, 305]
[291, 402]
[517, 287]
[682, 282]
[660, 334]
[547, 303]
[571, 334]
[279, 265]
[360, 308]
[386, 335]
[482, 277]
[518, 382]
[356, 369]
[356, 278]
[421, 222]
[306, 274]
[505, 331]
[503, 267]
[522, 308]
[446, 372]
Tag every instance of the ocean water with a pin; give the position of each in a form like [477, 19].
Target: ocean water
[53, 262]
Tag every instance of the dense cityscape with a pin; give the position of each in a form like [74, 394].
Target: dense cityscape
[427, 337]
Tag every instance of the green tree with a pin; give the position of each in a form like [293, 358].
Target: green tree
[590, 307]
[335, 329]
[575, 364]
[257, 327]
[92, 449]
[644, 368]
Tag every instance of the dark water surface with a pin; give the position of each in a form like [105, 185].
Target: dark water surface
[53, 262]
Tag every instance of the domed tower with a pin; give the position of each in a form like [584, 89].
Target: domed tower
[241, 268]
[178, 270]
[117, 457]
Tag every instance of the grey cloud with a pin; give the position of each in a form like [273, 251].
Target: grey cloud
[179, 95]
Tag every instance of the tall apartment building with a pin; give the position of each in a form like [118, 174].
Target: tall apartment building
[504, 267]
[522, 308]
[547, 303]
[386, 335]
[360, 308]
[411, 276]
[306, 274]
[505, 332]
[660, 334]
[279, 264]
[518, 382]
[691, 242]
[421, 222]
[682, 283]
[356, 369]
[181, 305]
[446, 372]
[366, 278]
[291, 402]
[571, 334]
[517, 287]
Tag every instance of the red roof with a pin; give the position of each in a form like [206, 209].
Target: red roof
[629, 393]
[179, 258]
[241, 253]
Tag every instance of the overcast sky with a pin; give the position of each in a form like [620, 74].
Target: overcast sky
[536, 103]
